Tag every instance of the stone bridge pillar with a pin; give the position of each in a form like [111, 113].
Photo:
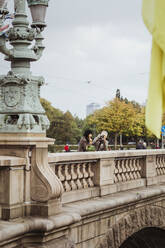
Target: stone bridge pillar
[41, 188]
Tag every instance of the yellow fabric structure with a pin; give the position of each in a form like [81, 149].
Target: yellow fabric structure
[153, 12]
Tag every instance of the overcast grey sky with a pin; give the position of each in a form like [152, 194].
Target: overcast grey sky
[101, 41]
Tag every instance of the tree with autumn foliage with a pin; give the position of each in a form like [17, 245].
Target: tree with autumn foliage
[118, 117]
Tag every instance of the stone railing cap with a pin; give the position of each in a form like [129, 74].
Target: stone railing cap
[11, 161]
[72, 156]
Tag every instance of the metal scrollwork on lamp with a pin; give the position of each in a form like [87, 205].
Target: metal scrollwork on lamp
[30, 114]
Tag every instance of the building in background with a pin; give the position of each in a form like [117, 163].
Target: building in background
[144, 103]
[90, 108]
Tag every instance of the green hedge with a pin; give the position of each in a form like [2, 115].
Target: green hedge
[74, 148]
[60, 148]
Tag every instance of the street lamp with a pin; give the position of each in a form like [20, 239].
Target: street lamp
[23, 122]
[20, 108]
[38, 12]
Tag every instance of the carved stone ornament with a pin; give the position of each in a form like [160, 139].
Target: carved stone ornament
[148, 216]
[45, 184]
[36, 2]
[12, 89]
[12, 95]
[40, 81]
[13, 78]
[17, 34]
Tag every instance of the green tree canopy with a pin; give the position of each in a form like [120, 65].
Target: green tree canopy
[63, 126]
[118, 117]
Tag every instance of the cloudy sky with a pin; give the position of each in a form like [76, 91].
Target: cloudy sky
[93, 47]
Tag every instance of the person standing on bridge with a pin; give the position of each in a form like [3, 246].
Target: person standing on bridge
[140, 145]
[66, 148]
[85, 141]
[101, 142]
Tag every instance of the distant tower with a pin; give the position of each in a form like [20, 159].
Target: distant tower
[144, 103]
[90, 109]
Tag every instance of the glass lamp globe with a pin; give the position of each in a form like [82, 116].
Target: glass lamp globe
[38, 12]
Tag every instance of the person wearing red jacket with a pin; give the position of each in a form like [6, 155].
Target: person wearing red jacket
[66, 148]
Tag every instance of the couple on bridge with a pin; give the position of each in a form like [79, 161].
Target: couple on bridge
[99, 143]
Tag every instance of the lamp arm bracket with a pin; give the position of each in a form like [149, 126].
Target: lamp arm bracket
[38, 46]
[38, 50]
[3, 48]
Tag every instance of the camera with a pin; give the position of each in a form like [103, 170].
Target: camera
[101, 138]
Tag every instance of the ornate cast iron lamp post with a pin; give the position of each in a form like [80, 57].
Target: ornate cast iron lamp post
[20, 108]
[23, 122]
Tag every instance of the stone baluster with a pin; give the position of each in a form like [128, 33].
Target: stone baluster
[160, 168]
[79, 177]
[134, 173]
[127, 169]
[91, 175]
[67, 174]
[116, 171]
[158, 165]
[119, 178]
[138, 165]
[60, 173]
[163, 165]
[120, 166]
[73, 177]
[124, 166]
[85, 175]
[131, 169]
[121, 170]
[122, 162]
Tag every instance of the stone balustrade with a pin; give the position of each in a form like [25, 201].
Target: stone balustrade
[76, 175]
[82, 175]
[100, 188]
[92, 174]
[127, 169]
[160, 165]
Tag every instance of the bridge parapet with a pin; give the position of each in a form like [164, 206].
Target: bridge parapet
[126, 193]
[92, 174]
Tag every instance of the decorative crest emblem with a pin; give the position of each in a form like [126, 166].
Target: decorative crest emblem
[12, 95]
